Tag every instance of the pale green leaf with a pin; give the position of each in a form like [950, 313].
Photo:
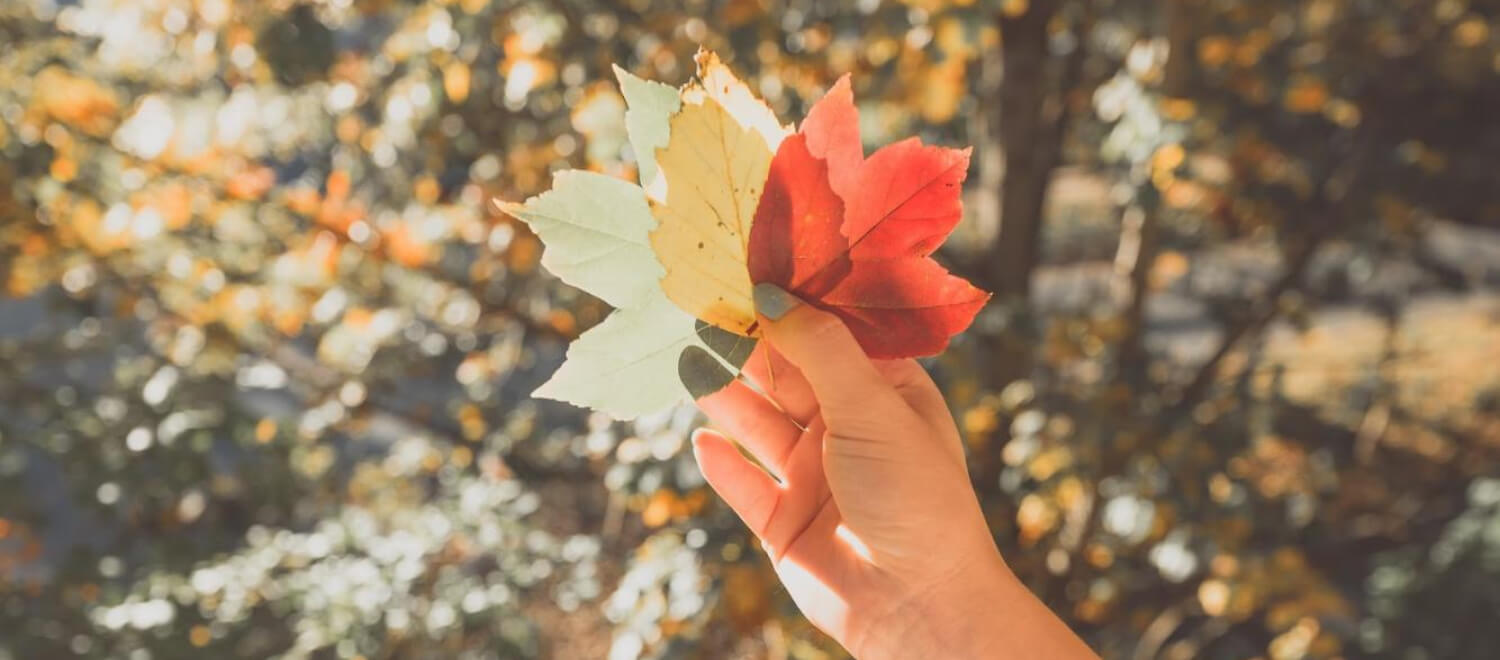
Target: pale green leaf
[626, 366]
[596, 229]
[650, 105]
[645, 360]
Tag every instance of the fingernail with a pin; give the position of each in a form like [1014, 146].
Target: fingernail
[773, 302]
[696, 440]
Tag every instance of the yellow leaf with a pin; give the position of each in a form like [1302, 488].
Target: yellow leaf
[1306, 95]
[720, 84]
[456, 77]
[1472, 32]
[715, 167]
[76, 101]
[658, 509]
[942, 90]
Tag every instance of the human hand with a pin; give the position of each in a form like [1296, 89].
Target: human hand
[870, 520]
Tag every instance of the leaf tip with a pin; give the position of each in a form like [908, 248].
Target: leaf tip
[507, 207]
[843, 87]
[706, 59]
[625, 77]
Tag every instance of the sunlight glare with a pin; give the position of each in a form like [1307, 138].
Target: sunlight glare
[854, 542]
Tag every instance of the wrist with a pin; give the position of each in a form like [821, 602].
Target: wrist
[986, 612]
[950, 618]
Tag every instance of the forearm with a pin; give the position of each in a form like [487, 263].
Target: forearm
[988, 614]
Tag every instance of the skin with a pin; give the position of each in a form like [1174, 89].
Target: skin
[864, 504]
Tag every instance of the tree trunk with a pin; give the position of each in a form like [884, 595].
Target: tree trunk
[1140, 226]
[1133, 260]
[1028, 123]
[1028, 119]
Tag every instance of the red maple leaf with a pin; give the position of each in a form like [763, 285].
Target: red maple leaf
[854, 236]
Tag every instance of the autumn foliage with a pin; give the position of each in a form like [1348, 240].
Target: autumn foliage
[855, 236]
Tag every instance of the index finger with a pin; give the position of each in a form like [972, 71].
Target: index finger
[782, 382]
[850, 391]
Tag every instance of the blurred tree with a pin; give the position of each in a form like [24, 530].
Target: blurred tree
[1042, 56]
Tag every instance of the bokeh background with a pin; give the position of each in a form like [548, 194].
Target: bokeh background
[265, 348]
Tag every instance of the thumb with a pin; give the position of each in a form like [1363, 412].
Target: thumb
[850, 391]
